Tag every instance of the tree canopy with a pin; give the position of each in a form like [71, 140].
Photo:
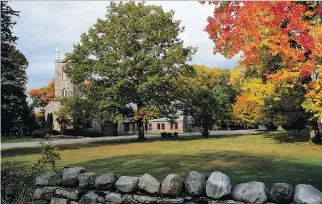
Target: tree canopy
[14, 108]
[44, 95]
[280, 42]
[208, 97]
[131, 58]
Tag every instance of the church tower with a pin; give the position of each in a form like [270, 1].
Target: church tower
[63, 85]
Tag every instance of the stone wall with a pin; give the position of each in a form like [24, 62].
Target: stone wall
[75, 186]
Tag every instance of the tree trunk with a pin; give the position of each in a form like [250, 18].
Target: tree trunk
[141, 130]
[315, 136]
[205, 132]
[61, 128]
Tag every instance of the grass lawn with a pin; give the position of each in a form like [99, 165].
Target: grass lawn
[20, 139]
[269, 158]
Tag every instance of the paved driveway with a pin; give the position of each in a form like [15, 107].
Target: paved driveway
[118, 138]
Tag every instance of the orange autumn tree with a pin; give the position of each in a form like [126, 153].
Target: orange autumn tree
[279, 41]
[44, 95]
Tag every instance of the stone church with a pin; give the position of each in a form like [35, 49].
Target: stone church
[64, 88]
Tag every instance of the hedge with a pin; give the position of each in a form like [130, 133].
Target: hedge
[40, 133]
[90, 132]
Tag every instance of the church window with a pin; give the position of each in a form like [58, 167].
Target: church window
[158, 126]
[63, 92]
[145, 126]
[163, 127]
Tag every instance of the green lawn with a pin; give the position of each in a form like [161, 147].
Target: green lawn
[20, 139]
[268, 158]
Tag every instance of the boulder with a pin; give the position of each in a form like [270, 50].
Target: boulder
[89, 198]
[59, 201]
[86, 180]
[198, 200]
[128, 199]
[225, 202]
[127, 184]
[307, 194]
[251, 192]
[49, 179]
[39, 202]
[149, 184]
[172, 185]
[195, 183]
[144, 199]
[69, 193]
[45, 193]
[105, 181]
[100, 200]
[113, 198]
[281, 193]
[170, 201]
[70, 176]
[218, 185]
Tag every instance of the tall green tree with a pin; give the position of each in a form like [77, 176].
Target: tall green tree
[208, 97]
[13, 77]
[132, 58]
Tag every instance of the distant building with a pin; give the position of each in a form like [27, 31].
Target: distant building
[64, 88]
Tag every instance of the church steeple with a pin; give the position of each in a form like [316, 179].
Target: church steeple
[57, 52]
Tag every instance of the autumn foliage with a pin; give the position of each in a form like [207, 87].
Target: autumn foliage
[247, 109]
[278, 40]
[44, 95]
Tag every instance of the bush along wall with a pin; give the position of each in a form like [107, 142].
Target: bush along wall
[74, 186]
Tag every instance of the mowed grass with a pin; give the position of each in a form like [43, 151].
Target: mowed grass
[267, 158]
[20, 139]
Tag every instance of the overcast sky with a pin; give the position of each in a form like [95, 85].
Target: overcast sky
[43, 24]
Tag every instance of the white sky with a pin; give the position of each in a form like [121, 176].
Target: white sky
[43, 24]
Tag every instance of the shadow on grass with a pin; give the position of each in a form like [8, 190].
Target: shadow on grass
[287, 137]
[238, 166]
[20, 151]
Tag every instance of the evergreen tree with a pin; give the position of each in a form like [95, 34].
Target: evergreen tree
[13, 77]
[49, 121]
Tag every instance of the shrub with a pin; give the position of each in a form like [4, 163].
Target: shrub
[169, 135]
[18, 179]
[90, 132]
[109, 129]
[163, 134]
[53, 132]
[17, 182]
[49, 155]
[40, 133]
[166, 135]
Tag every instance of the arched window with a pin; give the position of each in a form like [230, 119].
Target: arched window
[158, 126]
[63, 92]
[163, 127]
